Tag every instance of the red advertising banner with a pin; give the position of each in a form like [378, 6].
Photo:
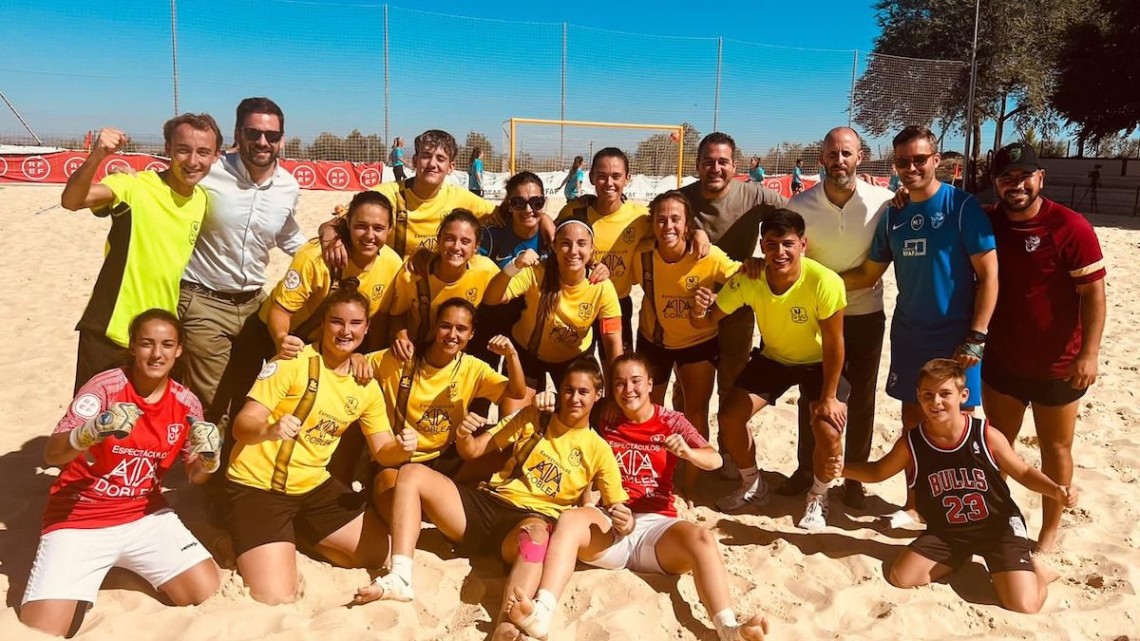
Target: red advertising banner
[57, 167]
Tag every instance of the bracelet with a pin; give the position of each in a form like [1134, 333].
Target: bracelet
[976, 337]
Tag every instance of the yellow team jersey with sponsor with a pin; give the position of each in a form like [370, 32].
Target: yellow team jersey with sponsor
[417, 221]
[551, 466]
[153, 231]
[326, 402]
[308, 282]
[567, 331]
[665, 319]
[616, 237]
[437, 397]
[789, 322]
[415, 294]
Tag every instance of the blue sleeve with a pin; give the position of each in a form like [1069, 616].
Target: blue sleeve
[975, 227]
[880, 245]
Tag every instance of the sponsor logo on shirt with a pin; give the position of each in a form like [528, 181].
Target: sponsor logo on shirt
[1032, 243]
[434, 421]
[546, 475]
[799, 315]
[677, 308]
[323, 433]
[428, 243]
[565, 334]
[913, 247]
[916, 222]
[615, 262]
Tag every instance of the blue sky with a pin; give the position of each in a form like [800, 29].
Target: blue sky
[72, 65]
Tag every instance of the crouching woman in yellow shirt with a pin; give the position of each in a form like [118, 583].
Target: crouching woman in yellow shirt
[561, 305]
[553, 460]
[429, 395]
[279, 485]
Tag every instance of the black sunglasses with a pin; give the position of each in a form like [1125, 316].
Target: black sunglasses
[902, 162]
[518, 202]
[253, 135]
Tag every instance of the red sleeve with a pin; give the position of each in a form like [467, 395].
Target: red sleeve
[191, 407]
[1081, 253]
[677, 422]
[93, 398]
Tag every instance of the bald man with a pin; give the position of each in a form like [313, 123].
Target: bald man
[841, 213]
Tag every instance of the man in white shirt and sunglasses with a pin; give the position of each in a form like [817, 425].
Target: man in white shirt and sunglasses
[252, 207]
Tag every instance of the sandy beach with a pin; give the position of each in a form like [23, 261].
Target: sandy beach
[825, 585]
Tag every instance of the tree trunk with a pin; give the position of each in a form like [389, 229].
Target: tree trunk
[998, 130]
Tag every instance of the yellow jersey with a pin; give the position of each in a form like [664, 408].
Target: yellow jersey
[616, 237]
[307, 283]
[419, 296]
[437, 398]
[325, 402]
[669, 290]
[567, 331]
[416, 222]
[789, 322]
[551, 464]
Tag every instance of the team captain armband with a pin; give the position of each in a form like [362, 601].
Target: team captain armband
[611, 325]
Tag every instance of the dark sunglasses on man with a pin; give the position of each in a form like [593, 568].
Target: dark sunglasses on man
[518, 202]
[253, 135]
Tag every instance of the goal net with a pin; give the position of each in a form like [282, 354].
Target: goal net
[656, 154]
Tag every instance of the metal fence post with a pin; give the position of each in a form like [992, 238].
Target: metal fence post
[716, 99]
[387, 85]
[562, 111]
[174, 50]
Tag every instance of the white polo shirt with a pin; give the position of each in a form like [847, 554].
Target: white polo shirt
[840, 238]
[244, 221]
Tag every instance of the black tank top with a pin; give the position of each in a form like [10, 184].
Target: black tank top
[959, 489]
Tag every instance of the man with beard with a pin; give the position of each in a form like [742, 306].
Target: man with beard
[252, 207]
[842, 213]
[942, 245]
[730, 211]
[1046, 330]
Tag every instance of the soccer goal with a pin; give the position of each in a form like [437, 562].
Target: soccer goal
[540, 145]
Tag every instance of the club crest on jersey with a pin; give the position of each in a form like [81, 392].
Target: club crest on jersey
[916, 222]
[575, 458]
[377, 291]
[292, 279]
[627, 234]
[692, 283]
[1032, 243]
[799, 315]
[351, 406]
[194, 232]
[585, 310]
[472, 294]
[453, 390]
[172, 432]
[86, 406]
[269, 370]
[936, 219]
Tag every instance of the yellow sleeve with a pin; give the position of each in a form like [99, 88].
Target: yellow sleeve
[276, 379]
[374, 416]
[489, 384]
[405, 293]
[607, 476]
[121, 185]
[608, 305]
[523, 281]
[831, 294]
[479, 206]
[296, 287]
[726, 267]
[731, 296]
[513, 428]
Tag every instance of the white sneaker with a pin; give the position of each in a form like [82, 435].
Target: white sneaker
[395, 588]
[815, 512]
[755, 493]
[729, 470]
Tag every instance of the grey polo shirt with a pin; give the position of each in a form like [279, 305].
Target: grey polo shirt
[243, 222]
[840, 238]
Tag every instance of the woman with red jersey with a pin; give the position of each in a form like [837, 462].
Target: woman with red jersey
[647, 440]
[120, 436]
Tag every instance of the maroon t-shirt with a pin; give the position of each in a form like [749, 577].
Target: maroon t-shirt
[646, 466]
[1036, 327]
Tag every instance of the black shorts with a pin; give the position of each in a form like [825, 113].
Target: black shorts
[1004, 549]
[489, 520]
[662, 359]
[259, 516]
[769, 380]
[536, 370]
[1051, 392]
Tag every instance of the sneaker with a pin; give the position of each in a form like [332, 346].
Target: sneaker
[395, 588]
[754, 494]
[796, 484]
[815, 513]
[729, 470]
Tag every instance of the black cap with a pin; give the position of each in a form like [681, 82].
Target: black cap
[1017, 155]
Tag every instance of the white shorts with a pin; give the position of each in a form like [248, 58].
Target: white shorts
[638, 550]
[71, 563]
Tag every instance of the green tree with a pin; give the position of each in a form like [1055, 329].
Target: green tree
[657, 154]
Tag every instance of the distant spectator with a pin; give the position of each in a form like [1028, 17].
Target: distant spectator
[572, 184]
[756, 172]
[475, 172]
[396, 158]
[798, 176]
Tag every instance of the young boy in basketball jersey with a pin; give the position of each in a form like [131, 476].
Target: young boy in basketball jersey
[954, 464]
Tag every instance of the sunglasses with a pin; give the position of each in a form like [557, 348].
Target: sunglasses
[902, 162]
[518, 202]
[253, 135]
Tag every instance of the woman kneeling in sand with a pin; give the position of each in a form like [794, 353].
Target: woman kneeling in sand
[553, 459]
[648, 440]
[114, 445]
[278, 482]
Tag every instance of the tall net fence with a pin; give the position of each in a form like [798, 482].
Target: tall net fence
[352, 77]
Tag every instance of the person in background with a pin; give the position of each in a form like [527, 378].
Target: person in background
[756, 172]
[571, 185]
[396, 159]
[475, 172]
[798, 176]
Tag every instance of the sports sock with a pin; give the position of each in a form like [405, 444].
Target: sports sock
[402, 567]
[748, 475]
[818, 486]
[544, 604]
